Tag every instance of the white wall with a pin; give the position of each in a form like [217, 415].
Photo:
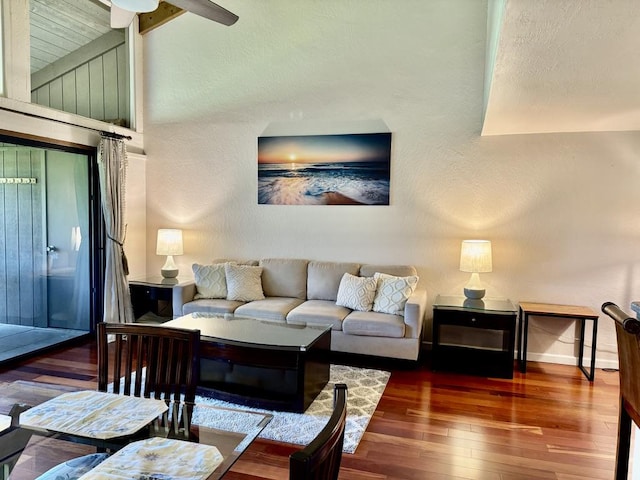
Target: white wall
[559, 208]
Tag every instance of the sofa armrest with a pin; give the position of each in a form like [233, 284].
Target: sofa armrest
[414, 313]
[181, 295]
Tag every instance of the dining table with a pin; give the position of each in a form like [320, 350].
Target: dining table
[144, 437]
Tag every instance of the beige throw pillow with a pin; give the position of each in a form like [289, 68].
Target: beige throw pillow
[356, 293]
[210, 281]
[244, 283]
[393, 292]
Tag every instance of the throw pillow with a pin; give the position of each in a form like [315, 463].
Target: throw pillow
[356, 293]
[244, 283]
[210, 281]
[393, 292]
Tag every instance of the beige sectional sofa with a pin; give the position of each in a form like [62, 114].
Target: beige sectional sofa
[299, 290]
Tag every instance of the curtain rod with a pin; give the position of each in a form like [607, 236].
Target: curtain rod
[104, 133]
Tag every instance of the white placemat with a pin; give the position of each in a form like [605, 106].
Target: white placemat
[93, 414]
[158, 458]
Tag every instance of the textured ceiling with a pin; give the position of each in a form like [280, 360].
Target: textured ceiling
[565, 66]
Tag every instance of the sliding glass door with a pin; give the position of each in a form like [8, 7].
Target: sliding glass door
[47, 247]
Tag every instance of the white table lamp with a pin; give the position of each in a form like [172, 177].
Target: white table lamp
[475, 257]
[169, 244]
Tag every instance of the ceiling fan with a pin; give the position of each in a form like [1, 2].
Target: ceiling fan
[124, 11]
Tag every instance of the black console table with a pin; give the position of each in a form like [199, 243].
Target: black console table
[152, 297]
[456, 314]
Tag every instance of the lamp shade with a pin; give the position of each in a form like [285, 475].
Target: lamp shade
[136, 5]
[475, 256]
[169, 242]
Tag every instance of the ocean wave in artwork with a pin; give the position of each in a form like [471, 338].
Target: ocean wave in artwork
[355, 183]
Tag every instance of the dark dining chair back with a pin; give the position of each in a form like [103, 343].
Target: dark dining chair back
[628, 337]
[149, 360]
[320, 460]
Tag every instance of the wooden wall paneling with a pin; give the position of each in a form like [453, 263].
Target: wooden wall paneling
[39, 234]
[69, 103]
[11, 238]
[55, 94]
[21, 230]
[123, 84]
[96, 89]
[110, 69]
[42, 97]
[26, 273]
[83, 97]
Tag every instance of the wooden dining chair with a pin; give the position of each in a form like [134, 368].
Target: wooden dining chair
[320, 460]
[628, 340]
[144, 361]
[149, 360]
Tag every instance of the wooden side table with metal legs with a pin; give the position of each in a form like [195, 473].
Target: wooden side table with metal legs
[581, 314]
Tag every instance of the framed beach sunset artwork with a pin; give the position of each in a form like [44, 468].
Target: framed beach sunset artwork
[351, 169]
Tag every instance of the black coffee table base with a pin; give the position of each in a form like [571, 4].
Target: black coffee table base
[264, 376]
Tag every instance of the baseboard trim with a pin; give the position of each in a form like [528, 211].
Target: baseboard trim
[570, 360]
[559, 359]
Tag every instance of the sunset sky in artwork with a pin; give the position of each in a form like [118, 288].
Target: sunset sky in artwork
[325, 148]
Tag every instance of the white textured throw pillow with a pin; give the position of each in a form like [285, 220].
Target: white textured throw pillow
[393, 292]
[356, 293]
[244, 283]
[210, 281]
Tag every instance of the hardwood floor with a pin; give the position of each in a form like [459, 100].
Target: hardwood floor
[548, 424]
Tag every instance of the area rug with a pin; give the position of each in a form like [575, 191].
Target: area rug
[365, 387]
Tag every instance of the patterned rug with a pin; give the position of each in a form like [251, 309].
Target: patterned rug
[365, 388]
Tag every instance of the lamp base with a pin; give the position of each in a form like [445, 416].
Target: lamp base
[473, 293]
[169, 269]
[474, 288]
[169, 273]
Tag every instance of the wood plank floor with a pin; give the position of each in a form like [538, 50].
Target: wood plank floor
[548, 424]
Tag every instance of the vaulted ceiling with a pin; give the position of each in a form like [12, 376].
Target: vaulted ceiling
[563, 66]
[552, 65]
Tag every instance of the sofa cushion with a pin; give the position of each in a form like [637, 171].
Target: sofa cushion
[393, 292]
[243, 282]
[356, 293]
[284, 277]
[210, 281]
[397, 270]
[211, 305]
[323, 278]
[252, 263]
[271, 308]
[319, 312]
[373, 324]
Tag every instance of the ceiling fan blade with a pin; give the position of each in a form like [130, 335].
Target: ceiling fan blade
[121, 18]
[207, 9]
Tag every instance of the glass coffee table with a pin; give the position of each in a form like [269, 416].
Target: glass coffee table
[272, 365]
[69, 424]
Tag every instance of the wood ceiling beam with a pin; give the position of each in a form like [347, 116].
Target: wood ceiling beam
[160, 16]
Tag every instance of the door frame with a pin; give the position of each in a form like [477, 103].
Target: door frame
[96, 221]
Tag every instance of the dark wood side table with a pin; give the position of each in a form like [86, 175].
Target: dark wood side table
[581, 314]
[496, 317]
[152, 297]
